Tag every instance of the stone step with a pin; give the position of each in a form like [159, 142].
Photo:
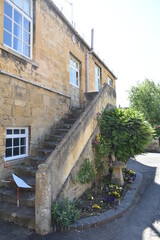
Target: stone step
[27, 171]
[67, 125]
[45, 151]
[8, 195]
[57, 134]
[76, 112]
[58, 137]
[49, 144]
[23, 216]
[69, 120]
[72, 115]
[62, 131]
[34, 161]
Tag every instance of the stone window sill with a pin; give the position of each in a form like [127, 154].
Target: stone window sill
[6, 49]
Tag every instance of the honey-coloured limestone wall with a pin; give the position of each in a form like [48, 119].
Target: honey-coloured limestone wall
[36, 92]
[67, 155]
[25, 105]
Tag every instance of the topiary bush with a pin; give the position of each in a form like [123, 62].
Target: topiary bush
[125, 132]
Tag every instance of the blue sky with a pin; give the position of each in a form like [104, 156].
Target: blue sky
[127, 37]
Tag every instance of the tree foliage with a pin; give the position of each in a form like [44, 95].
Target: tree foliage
[145, 97]
[125, 132]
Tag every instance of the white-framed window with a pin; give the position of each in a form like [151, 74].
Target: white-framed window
[16, 143]
[110, 82]
[97, 78]
[74, 72]
[17, 27]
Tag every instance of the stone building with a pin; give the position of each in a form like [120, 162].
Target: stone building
[46, 68]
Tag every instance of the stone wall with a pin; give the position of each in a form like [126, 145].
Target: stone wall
[36, 92]
[27, 105]
[52, 47]
[70, 152]
[73, 190]
[66, 155]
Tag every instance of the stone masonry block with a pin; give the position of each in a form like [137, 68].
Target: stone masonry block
[19, 103]
[36, 99]
[8, 101]
[20, 93]
[18, 111]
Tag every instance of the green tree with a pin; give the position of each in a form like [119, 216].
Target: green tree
[145, 97]
[125, 132]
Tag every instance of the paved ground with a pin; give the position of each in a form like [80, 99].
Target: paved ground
[141, 222]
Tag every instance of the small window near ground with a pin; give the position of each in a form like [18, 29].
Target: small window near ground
[17, 29]
[16, 143]
[110, 82]
[74, 72]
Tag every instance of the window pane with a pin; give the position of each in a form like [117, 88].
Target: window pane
[23, 141]
[7, 38]
[19, 3]
[8, 9]
[16, 142]
[17, 31]
[76, 74]
[9, 131]
[70, 75]
[17, 17]
[23, 150]
[26, 50]
[7, 24]
[77, 82]
[26, 37]
[16, 131]
[8, 142]
[77, 65]
[74, 64]
[17, 45]
[74, 77]
[27, 7]
[8, 152]
[22, 131]
[15, 151]
[26, 25]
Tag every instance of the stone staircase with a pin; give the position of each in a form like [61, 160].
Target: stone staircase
[25, 214]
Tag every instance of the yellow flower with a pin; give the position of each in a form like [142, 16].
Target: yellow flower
[90, 197]
[96, 206]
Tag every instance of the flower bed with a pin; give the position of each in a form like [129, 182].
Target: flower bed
[101, 197]
[104, 195]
